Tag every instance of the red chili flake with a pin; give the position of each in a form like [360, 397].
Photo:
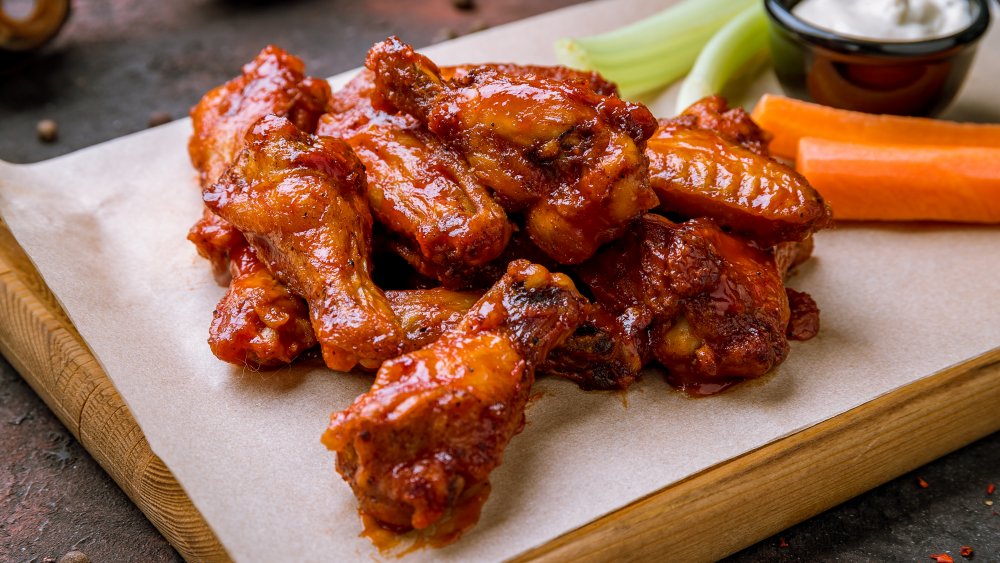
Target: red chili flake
[923, 483]
[966, 551]
[991, 488]
[942, 558]
[783, 543]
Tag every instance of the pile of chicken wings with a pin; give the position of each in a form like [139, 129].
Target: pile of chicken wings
[458, 229]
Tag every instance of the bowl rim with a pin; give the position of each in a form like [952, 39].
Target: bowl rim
[781, 15]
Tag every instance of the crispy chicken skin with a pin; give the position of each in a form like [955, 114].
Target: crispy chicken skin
[443, 220]
[570, 159]
[713, 307]
[437, 420]
[259, 322]
[697, 173]
[300, 201]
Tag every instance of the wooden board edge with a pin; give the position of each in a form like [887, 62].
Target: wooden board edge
[705, 517]
[744, 500]
[44, 347]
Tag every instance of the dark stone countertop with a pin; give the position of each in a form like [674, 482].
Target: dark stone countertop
[118, 62]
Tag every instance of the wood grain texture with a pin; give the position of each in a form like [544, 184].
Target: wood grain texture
[41, 343]
[705, 517]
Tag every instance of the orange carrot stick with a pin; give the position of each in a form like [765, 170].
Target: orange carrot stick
[904, 182]
[790, 120]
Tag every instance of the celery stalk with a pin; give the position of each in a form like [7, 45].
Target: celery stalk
[729, 51]
[655, 51]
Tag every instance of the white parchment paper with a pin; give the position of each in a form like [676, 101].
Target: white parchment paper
[106, 228]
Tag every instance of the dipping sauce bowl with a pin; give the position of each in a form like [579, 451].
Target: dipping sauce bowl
[875, 76]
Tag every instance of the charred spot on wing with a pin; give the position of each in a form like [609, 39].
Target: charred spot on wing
[603, 376]
[522, 298]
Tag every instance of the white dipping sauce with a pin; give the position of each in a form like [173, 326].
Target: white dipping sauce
[887, 20]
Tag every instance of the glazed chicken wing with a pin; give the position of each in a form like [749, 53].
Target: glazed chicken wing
[300, 201]
[713, 307]
[570, 159]
[437, 420]
[697, 173]
[444, 222]
[273, 83]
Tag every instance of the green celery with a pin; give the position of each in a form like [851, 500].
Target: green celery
[731, 50]
[655, 51]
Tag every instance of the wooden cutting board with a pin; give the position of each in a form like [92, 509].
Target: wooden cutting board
[752, 496]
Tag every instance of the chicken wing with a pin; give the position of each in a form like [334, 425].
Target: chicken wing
[437, 420]
[697, 173]
[300, 201]
[713, 307]
[570, 159]
[443, 220]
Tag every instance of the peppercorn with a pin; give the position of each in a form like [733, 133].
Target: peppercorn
[47, 130]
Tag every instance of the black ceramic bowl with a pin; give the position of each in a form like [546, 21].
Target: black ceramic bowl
[897, 77]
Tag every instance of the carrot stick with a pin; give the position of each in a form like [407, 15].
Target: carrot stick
[789, 120]
[904, 182]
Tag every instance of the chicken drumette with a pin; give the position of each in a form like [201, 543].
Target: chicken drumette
[437, 420]
[300, 202]
[567, 157]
